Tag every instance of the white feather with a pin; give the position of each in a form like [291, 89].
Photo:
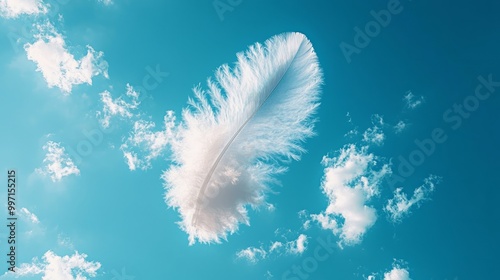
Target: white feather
[239, 132]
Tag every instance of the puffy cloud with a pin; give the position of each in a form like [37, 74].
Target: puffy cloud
[54, 267]
[399, 206]
[58, 66]
[144, 145]
[412, 101]
[58, 163]
[15, 8]
[397, 273]
[122, 106]
[298, 246]
[351, 179]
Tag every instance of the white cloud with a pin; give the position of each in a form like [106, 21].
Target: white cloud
[397, 274]
[131, 159]
[144, 145]
[412, 101]
[294, 247]
[270, 207]
[252, 254]
[25, 213]
[119, 106]
[399, 206]
[377, 120]
[58, 66]
[54, 267]
[351, 179]
[106, 2]
[275, 246]
[400, 126]
[304, 216]
[375, 135]
[351, 133]
[349, 119]
[64, 241]
[298, 246]
[15, 8]
[58, 163]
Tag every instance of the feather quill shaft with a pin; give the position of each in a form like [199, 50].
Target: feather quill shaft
[209, 175]
[239, 133]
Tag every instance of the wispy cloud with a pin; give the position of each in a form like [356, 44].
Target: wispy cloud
[58, 66]
[26, 214]
[351, 179]
[412, 101]
[374, 134]
[252, 254]
[144, 144]
[64, 241]
[16, 8]
[276, 248]
[52, 267]
[106, 2]
[118, 107]
[58, 163]
[399, 206]
[400, 126]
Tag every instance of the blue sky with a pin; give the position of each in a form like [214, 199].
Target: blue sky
[398, 182]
